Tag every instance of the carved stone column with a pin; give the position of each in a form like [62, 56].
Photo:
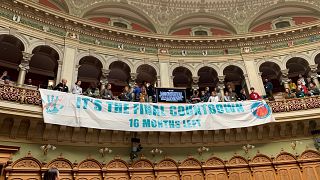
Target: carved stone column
[23, 68]
[195, 81]
[158, 83]
[284, 78]
[133, 77]
[260, 79]
[76, 71]
[247, 83]
[221, 86]
[58, 78]
[104, 78]
[314, 74]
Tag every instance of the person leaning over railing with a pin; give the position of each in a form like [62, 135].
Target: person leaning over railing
[254, 95]
[76, 89]
[62, 86]
[126, 95]
[106, 93]
[93, 91]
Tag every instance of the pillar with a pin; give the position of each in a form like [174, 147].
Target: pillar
[133, 77]
[262, 90]
[76, 71]
[285, 79]
[221, 86]
[248, 86]
[69, 63]
[164, 72]
[104, 78]
[23, 68]
[252, 72]
[171, 82]
[314, 74]
[158, 83]
[58, 78]
[195, 81]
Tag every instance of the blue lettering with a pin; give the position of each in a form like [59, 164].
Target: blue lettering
[135, 108]
[85, 102]
[220, 108]
[118, 107]
[212, 109]
[173, 111]
[125, 108]
[239, 108]
[181, 111]
[78, 102]
[189, 110]
[146, 123]
[97, 105]
[109, 104]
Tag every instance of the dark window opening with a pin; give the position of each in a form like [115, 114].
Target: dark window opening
[201, 33]
[120, 25]
[282, 24]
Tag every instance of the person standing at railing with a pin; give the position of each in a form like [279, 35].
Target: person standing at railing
[62, 86]
[292, 86]
[106, 93]
[136, 92]
[93, 91]
[254, 95]
[76, 89]
[126, 95]
[214, 97]
[268, 86]
[143, 95]
[313, 90]
[242, 95]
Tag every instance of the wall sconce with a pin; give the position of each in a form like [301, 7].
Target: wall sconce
[294, 144]
[105, 150]
[47, 147]
[247, 147]
[156, 151]
[202, 149]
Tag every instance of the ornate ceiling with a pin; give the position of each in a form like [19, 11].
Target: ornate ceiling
[166, 16]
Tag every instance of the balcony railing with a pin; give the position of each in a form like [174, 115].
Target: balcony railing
[31, 96]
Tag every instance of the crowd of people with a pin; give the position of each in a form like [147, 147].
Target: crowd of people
[145, 92]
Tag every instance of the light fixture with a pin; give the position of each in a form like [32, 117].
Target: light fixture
[294, 144]
[105, 150]
[247, 147]
[47, 147]
[202, 149]
[156, 151]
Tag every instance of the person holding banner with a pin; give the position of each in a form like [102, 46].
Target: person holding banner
[93, 91]
[107, 93]
[254, 95]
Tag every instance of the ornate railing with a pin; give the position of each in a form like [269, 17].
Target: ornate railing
[31, 96]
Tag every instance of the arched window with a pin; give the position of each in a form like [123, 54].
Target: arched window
[120, 25]
[201, 33]
[282, 24]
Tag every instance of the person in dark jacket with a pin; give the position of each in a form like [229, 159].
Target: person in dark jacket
[62, 86]
[107, 93]
[268, 86]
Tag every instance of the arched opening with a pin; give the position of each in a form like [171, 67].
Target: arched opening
[234, 78]
[208, 77]
[296, 66]
[183, 78]
[272, 72]
[89, 71]
[10, 55]
[44, 62]
[119, 76]
[146, 73]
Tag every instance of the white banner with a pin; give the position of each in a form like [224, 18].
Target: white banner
[82, 111]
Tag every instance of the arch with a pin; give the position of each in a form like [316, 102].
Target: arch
[44, 43]
[142, 164]
[167, 163]
[125, 6]
[277, 62]
[213, 66]
[214, 161]
[182, 77]
[277, 6]
[208, 77]
[90, 69]
[189, 67]
[21, 37]
[314, 55]
[261, 158]
[191, 162]
[225, 65]
[309, 154]
[89, 164]
[238, 160]
[118, 164]
[97, 56]
[27, 162]
[137, 65]
[285, 156]
[302, 56]
[194, 15]
[60, 163]
[146, 73]
[112, 59]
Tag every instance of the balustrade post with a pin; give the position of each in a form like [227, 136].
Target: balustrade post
[23, 68]
[247, 83]
[314, 74]
[221, 86]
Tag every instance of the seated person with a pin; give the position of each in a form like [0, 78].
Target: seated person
[292, 86]
[227, 97]
[254, 95]
[302, 87]
[288, 94]
[300, 93]
[126, 95]
[93, 91]
[62, 87]
[107, 93]
[195, 97]
[214, 97]
[313, 89]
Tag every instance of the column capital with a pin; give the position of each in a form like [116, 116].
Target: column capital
[105, 72]
[314, 67]
[60, 62]
[195, 80]
[27, 56]
[285, 72]
[221, 78]
[133, 76]
[78, 66]
[260, 74]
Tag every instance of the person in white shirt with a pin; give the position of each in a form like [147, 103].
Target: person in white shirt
[214, 97]
[76, 89]
[227, 98]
